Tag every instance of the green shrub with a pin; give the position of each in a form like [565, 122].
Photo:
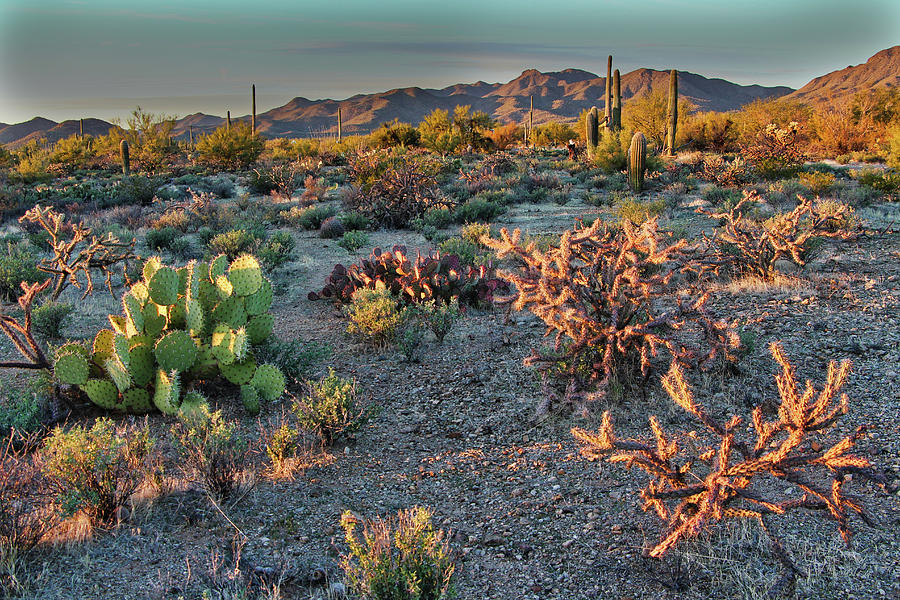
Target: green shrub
[233, 243]
[276, 250]
[161, 239]
[20, 413]
[282, 445]
[229, 149]
[475, 232]
[95, 471]
[399, 559]
[49, 318]
[374, 315]
[212, 452]
[886, 182]
[307, 218]
[439, 218]
[469, 253]
[721, 197]
[330, 407]
[354, 220]
[611, 153]
[439, 317]
[477, 209]
[394, 134]
[637, 212]
[17, 266]
[137, 190]
[818, 183]
[295, 358]
[354, 240]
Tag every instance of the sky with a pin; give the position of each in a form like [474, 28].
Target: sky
[64, 59]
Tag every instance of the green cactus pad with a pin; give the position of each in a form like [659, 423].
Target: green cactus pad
[168, 390]
[72, 368]
[73, 347]
[217, 267]
[121, 346]
[206, 365]
[102, 392]
[239, 373]
[118, 324]
[176, 351]
[103, 345]
[192, 288]
[222, 344]
[193, 317]
[134, 313]
[259, 328]
[119, 374]
[208, 295]
[230, 311]
[150, 267]
[194, 405]
[154, 319]
[260, 301]
[139, 340]
[176, 316]
[250, 398]
[139, 290]
[141, 365]
[163, 286]
[241, 344]
[137, 400]
[245, 274]
[269, 382]
[224, 287]
[183, 277]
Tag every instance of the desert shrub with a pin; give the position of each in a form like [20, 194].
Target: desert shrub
[173, 219]
[720, 470]
[32, 162]
[608, 296]
[893, 146]
[149, 137]
[220, 187]
[22, 411]
[437, 133]
[354, 220]
[611, 153]
[374, 315]
[391, 190]
[649, 115]
[728, 173]
[710, 131]
[276, 250]
[755, 247]
[477, 210]
[330, 407]
[231, 148]
[886, 182]
[24, 520]
[212, 451]
[425, 278]
[331, 228]
[468, 252]
[312, 218]
[354, 240]
[754, 117]
[836, 132]
[295, 358]
[49, 318]
[402, 558]
[137, 189]
[95, 471]
[280, 180]
[395, 134]
[436, 316]
[74, 152]
[439, 218]
[16, 266]
[505, 136]
[721, 197]
[313, 190]
[282, 444]
[636, 212]
[161, 239]
[776, 152]
[233, 243]
[553, 134]
[817, 183]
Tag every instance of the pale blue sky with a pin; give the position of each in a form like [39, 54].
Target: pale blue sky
[71, 58]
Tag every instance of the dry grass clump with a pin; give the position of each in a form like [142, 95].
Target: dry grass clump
[703, 477]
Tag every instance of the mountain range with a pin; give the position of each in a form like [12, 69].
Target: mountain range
[558, 96]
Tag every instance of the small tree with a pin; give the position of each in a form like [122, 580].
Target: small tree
[149, 137]
[647, 114]
[231, 148]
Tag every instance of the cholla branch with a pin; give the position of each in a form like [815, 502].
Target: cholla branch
[698, 480]
[755, 247]
[79, 254]
[20, 334]
[609, 296]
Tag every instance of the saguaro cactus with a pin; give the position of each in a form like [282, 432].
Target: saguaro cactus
[672, 115]
[590, 130]
[253, 109]
[637, 161]
[616, 102]
[531, 121]
[81, 128]
[191, 134]
[340, 125]
[608, 97]
[228, 120]
[126, 162]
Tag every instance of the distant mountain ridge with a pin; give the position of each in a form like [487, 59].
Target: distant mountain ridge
[558, 96]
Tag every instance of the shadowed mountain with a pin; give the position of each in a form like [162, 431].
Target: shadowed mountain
[838, 87]
[20, 134]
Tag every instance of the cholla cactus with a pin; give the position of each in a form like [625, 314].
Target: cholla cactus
[179, 326]
[704, 477]
[608, 296]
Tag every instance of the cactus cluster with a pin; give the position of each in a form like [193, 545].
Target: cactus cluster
[432, 277]
[179, 326]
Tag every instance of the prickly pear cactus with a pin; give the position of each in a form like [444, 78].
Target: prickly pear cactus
[178, 327]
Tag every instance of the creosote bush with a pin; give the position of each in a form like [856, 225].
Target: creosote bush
[95, 471]
[330, 407]
[402, 558]
[374, 315]
[722, 471]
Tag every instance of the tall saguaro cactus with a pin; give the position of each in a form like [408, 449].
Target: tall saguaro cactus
[672, 115]
[126, 160]
[81, 128]
[191, 134]
[340, 125]
[590, 130]
[228, 121]
[253, 107]
[531, 122]
[617, 102]
[608, 97]
[637, 162]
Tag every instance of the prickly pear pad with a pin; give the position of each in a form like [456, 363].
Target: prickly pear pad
[245, 275]
[163, 286]
[176, 351]
[71, 368]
